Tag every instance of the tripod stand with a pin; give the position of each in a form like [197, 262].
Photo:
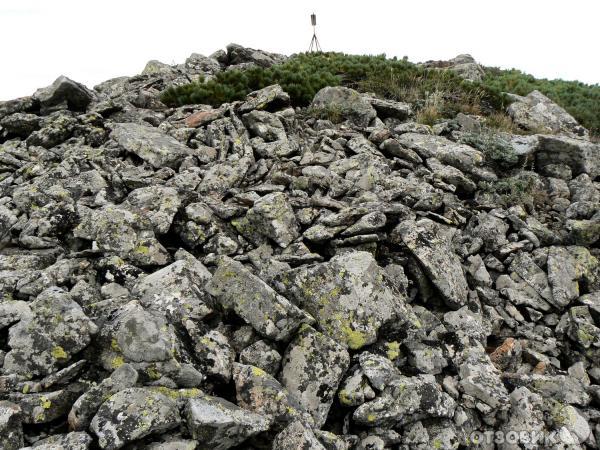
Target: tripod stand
[314, 42]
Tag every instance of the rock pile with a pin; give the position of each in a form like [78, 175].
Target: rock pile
[252, 277]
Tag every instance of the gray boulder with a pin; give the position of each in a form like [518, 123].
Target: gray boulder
[580, 155]
[538, 113]
[76, 440]
[432, 248]
[346, 102]
[313, 366]
[132, 414]
[150, 144]
[47, 340]
[219, 424]
[350, 296]
[64, 93]
[297, 436]
[272, 315]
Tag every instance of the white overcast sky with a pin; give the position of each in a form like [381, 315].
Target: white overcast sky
[93, 40]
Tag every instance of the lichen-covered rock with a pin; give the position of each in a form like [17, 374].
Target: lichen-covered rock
[297, 436]
[46, 407]
[538, 113]
[215, 355]
[258, 391]
[150, 144]
[269, 98]
[85, 407]
[403, 400]
[117, 230]
[346, 102]
[47, 340]
[132, 414]
[77, 440]
[158, 203]
[313, 366]
[430, 245]
[271, 217]
[236, 288]
[219, 424]
[262, 355]
[177, 289]
[350, 296]
[146, 340]
[11, 428]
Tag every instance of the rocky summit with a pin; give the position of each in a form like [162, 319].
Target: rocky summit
[262, 275]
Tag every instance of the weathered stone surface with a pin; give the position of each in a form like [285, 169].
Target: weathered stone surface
[258, 391]
[428, 243]
[402, 400]
[297, 436]
[346, 102]
[538, 113]
[219, 424]
[313, 366]
[150, 144]
[581, 156]
[350, 296]
[64, 93]
[85, 407]
[132, 414]
[257, 303]
[76, 440]
[11, 428]
[47, 340]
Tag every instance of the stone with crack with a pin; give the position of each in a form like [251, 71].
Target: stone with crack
[132, 414]
[404, 400]
[312, 368]
[271, 314]
[50, 337]
[350, 296]
[432, 248]
[219, 424]
[258, 391]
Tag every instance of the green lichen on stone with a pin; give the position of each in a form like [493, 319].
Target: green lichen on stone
[117, 362]
[59, 353]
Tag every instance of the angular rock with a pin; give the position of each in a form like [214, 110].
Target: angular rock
[258, 391]
[296, 436]
[272, 315]
[11, 429]
[76, 440]
[431, 247]
[132, 414]
[219, 424]
[346, 102]
[85, 407]
[64, 93]
[538, 113]
[350, 296]
[403, 400]
[313, 366]
[270, 98]
[150, 144]
[48, 339]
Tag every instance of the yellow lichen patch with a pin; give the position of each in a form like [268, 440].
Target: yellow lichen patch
[345, 398]
[355, 339]
[393, 350]
[142, 249]
[46, 404]
[117, 362]
[59, 353]
[115, 345]
[371, 418]
[258, 372]
[26, 389]
[176, 394]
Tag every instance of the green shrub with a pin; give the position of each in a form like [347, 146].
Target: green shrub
[303, 75]
[523, 189]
